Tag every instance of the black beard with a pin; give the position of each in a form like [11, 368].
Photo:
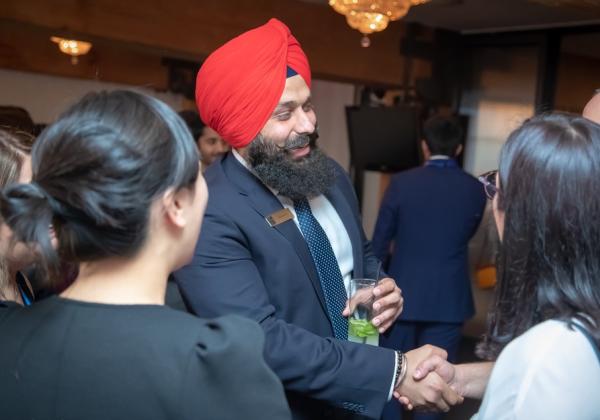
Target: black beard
[305, 177]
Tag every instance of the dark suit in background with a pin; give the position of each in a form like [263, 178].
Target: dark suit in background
[428, 215]
[244, 266]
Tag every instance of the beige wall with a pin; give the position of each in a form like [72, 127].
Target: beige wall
[500, 96]
[45, 97]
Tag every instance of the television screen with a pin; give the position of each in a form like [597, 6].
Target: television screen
[383, 138]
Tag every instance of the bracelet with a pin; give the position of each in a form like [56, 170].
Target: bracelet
[404, 368]
[401, 368]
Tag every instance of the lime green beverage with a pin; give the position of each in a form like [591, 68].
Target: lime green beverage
[360, 328]
[362, 331]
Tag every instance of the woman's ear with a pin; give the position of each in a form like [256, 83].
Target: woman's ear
[175, 204]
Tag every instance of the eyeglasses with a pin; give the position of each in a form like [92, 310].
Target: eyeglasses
[488, 180]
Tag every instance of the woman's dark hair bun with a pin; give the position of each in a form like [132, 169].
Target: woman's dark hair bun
[96, 172]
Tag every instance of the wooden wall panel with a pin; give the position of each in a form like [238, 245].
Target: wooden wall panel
[191, 29]
[578, 78]
[32, 51]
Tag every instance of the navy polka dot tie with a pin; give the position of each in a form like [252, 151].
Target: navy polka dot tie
[327, 267]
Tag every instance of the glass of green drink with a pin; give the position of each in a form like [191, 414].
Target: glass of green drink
[360, 328]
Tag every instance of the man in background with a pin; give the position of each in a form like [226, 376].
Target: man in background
[427, 216]
[210, 145]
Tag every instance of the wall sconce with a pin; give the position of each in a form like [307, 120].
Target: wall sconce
[72, 47]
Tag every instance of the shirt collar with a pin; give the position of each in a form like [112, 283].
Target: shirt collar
[241, 159]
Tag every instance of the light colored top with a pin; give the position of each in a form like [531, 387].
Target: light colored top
[550, 372]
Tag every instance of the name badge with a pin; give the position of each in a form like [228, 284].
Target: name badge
[279, 217]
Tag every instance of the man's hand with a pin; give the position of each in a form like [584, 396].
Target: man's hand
[387, 306]
[446, 370]
[425, 388]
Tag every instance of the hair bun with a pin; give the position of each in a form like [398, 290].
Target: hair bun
[29, 197]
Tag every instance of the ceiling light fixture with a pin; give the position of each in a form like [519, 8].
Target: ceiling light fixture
[72, 47]
[368, 16]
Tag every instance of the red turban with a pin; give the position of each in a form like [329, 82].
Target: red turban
[240, 84]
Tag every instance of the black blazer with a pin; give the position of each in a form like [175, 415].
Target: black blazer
[70, 360]
[243, 266]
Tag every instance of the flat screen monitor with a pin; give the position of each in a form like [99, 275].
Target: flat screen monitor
[383, 139]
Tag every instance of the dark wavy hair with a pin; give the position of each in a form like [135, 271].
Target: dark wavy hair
[549, 262]
[96, 172]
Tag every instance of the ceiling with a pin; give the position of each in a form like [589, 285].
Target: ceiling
[480, 16]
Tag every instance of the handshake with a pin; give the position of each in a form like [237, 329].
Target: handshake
[431, 383]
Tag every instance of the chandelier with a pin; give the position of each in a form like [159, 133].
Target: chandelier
[368, 16]
[72, 47]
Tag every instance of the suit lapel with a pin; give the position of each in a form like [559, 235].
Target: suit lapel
[265, 203]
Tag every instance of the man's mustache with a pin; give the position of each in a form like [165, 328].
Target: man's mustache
[301, 141]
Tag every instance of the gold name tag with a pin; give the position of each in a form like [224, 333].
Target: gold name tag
[279, 217]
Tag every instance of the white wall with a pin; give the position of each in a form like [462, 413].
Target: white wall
[501, 96]
[45, 97]
[371, 202]
[330, 100]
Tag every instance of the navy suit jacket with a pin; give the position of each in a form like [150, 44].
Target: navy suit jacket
[244, 266]
[429, 214]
